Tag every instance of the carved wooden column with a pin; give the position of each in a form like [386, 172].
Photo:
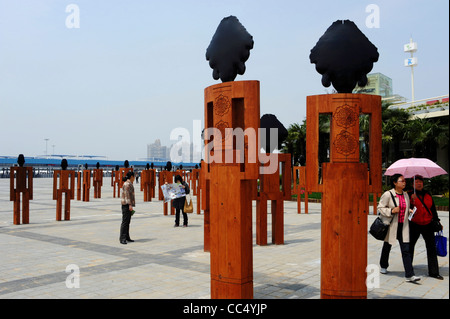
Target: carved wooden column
[270, 190]
[97, 179]
[86, 184]
[115, 181]
[231, 171]
[21, 181]
[148, 184]
[65, 186]
[345, 188]
[299, 176]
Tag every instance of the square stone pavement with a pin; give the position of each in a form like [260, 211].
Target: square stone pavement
[40, 259]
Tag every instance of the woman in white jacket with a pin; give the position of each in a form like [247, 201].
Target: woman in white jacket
[394, 210]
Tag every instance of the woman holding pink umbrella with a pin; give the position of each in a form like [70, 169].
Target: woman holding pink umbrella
[394, 210]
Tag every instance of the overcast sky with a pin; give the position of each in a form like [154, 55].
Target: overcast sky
[135, 70]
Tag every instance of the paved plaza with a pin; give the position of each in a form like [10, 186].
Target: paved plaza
[41, 259]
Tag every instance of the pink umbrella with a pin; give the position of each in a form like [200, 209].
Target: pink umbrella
[410, 167]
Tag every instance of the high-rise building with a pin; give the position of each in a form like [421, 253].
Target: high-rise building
[157, 152]
[377, 84]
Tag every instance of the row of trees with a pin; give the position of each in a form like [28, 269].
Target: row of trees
[421, 137]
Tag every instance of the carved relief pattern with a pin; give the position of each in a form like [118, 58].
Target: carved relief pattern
[221, 105]
[345, 116]
[221, 126]
[345, 143]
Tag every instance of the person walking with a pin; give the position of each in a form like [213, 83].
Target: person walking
[128, 202]
[178, 203]
[422, 223]
[394, 208]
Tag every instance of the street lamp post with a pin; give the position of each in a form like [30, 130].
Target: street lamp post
[411, 62]
[46, 144]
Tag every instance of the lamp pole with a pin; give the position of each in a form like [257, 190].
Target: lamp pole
[411, 62]
[46, 144]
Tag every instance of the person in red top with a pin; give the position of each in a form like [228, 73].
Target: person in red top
[421, 224]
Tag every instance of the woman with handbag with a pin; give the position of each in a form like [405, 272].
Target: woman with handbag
[425, 222]
[394, 209]
[178, 203]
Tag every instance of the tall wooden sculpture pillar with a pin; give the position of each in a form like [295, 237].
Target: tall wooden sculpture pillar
[148, 178]
[97, 180]
[345, 188]
[115, 181]
[21, 181]
[86, 184]
[299, 176]
[65, 186]
[271, 189]
[231, 170]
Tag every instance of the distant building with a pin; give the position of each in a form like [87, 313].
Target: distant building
[377, 84]
[157, 152]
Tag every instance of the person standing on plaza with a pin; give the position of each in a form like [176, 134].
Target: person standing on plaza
[422, 223]
[128, 202]
[394, 208]
[178, 203]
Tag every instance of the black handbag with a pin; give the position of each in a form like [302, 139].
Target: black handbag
[378, 229]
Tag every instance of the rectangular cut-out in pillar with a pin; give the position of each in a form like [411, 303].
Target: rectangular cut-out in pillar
[230, 170]
[346, 185]
[329, 104]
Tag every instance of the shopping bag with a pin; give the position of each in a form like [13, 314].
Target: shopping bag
[441, 244]
[188, 207]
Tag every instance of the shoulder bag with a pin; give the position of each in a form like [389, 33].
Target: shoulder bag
[188, 207]
[378, 229]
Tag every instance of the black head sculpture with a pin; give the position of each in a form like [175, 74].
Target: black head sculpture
[147, 167]
[267, 122]
[151, 166]
[126, 164]
[97, 165]
[117, 167]
[64, 164]
[21, 160]
[229, 49]
[86, 166]
[344, 56]
[169, 166]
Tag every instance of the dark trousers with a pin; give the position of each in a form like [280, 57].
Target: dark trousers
[177, 217]
[125, 226]
[405, 250]
[427, 233]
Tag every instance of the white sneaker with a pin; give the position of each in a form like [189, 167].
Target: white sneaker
[383, 270]
[413, 279]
